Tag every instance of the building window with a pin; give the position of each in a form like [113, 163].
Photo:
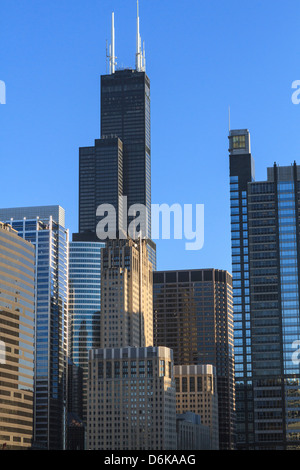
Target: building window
[184, 384]
[238, 142]
[161, 368]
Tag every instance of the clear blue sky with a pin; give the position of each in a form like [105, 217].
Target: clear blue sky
[201, 58]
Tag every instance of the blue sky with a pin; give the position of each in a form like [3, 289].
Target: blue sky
[201, 58]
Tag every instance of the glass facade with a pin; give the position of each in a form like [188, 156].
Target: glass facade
[125, 113]
[241, 173]
[51, 326]
[100, 181]
[288, 224]
[119, 165]
[17, 274]
[193, 315]
[266, 304]
[265, 316]
[84, 304]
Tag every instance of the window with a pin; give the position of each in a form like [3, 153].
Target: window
[108, 370]
[192, 384]
[238, 142]
[161, 368]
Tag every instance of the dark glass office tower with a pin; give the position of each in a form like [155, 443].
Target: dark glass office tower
[100, 182]
[265, 252]
[241, 173]
[125, 112]
[120, 162]
[118, 167]
[193, 315]
[76, 427]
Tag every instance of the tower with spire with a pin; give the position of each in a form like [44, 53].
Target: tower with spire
[140, 55]
[119, 164]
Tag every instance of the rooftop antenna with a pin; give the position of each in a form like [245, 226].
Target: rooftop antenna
[229, 118]
[110, 52]
[140, 59]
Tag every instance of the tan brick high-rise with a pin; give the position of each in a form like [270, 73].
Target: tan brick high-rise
[126, 295]
[17, 258]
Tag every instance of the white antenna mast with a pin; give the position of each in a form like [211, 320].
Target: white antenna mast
[140, 59]
[111, 53]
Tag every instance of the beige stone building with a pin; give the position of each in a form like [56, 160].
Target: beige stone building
[196, 392]
[126, 295]
[131, 399]
[17, 258]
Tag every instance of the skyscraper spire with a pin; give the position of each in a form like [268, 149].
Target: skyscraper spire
[113, 43]
[111, 54]
[140, 59]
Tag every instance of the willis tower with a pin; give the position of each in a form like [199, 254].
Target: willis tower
[117, 169]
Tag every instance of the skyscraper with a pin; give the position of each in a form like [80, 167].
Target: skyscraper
[242, 172]
[126, 326]
[44, 228]
[196, 392]
[193, 315]
[131, 403]
[76, 427]
[84, 305]
[117, 169]
[100, 182]
[191, 433]
[126, 295]
[125, 112]
[17, 307]
[265, 262]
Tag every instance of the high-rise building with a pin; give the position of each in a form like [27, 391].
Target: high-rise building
[196, 392]
[193, 315]
[100, 182]
[125, 112]
[191, 433]
[116, 173]
[84, 305]
[131, 399]
[117, 169]
[75, 385]
[17, 316]
[265, 263]
[44, 228]
[76, 427]
[126, 295]
[242, 172]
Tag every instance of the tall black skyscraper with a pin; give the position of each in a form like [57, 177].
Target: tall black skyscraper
[265, 221]
[125, 112]
[119, 164]
[100, 181]
[241, 173]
